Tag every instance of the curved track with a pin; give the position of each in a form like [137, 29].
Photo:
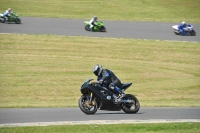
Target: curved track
[115, 29]
[28, 116]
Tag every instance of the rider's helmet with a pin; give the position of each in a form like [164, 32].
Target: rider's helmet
[183, 23]
[9, 9]
[95, 17]
[97, 70]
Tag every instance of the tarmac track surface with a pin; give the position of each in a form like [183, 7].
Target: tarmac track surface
[115, 29]
[53, 116]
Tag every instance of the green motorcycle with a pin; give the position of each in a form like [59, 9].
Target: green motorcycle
[12, 17]
[99, 26]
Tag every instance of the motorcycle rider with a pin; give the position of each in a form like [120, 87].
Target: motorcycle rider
[92, 23]
[181, 28]
[108, 79]
[7, 13]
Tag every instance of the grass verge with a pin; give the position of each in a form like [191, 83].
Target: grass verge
[136, 10]
[48, 70]
[122, 128]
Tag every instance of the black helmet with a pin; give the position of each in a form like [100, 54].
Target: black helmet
[97, 69]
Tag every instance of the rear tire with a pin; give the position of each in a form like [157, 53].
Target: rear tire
[85, 107]
[176, 32]
[87, 28]
[3, 20]
[127, 107]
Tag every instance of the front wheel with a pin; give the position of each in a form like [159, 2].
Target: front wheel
[86, 106]
[87, 28]
[103, 29]
[193, 33]
[17, 21]
[132, 106]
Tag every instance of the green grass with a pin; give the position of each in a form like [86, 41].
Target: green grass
[134, 10]
[48, 70]
[122, 128]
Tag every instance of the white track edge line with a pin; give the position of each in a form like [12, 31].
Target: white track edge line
[111, 38]
[99, 122]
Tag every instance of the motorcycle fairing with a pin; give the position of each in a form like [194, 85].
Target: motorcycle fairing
[101, 93]
[86, 88]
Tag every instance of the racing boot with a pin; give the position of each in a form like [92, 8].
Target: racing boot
[121, 94]
[115, 98]
[118, 97]
[93, 29]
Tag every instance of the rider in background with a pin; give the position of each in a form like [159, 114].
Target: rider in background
[92, 23]
[108, 79]
[7, 13]
[181, 28]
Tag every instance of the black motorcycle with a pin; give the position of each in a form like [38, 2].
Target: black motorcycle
[97, 97]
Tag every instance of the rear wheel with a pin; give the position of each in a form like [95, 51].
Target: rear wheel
[133, 107]
[3, 20]
[87, 28]
[86, 106]
[17, 21]
[176, 32]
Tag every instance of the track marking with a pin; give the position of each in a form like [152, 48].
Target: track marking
[109, 38]
[99, 122]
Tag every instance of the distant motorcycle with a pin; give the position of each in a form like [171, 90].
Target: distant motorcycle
[188, 29]
[96, 97]
[98, 27]
[12, 17]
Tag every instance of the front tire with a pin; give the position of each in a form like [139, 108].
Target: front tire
[87, 28]
[131, 108]
[86, 107]
[103, 29]
[193, 33]
[17, 21]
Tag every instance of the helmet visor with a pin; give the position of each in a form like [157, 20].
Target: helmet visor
[96, 73]
[96, 70]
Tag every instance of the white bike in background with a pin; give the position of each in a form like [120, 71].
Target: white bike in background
[188, 29]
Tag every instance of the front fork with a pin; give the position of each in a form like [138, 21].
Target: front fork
[91, 94]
